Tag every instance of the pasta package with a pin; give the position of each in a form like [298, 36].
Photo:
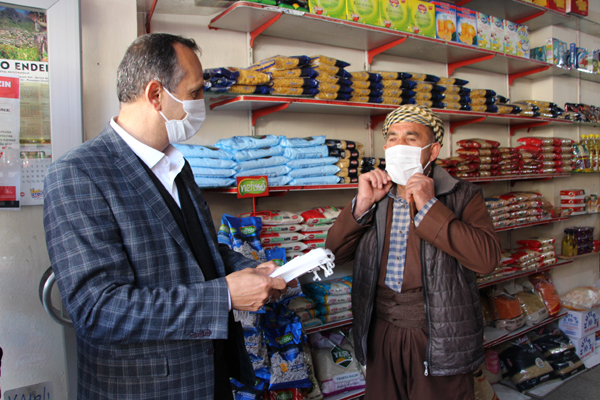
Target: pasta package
[328, 61]
[250, 77]
[388, 75]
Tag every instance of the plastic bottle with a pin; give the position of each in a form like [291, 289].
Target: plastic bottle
[567, 244]
[585, 153]
[596, 160]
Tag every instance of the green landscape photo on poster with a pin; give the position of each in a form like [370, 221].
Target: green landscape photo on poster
[23, 34]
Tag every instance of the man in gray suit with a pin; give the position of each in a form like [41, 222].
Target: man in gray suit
[134, 249]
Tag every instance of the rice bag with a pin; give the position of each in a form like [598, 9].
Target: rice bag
[213, 172]
[532, 304]
[314, 393]
[311, 162]
[195, 150]
[340, 316]
[336, 286]
[322, 170]
[581, 298]
[277, 217]
[242, 235]
[478, 144]
[320, 215]
[216, 163]
[335, 308]
[253, 154]
[287, 246]
[316, 180]
[306, 152]
[302, 142]
[208, 182]
[248, 142]
[281, 237]
[543, 284]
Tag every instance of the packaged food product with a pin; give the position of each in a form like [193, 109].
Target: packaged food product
[532, 305]
[526, 366]
[581, 298]
[508, 314]
[478, 143]
[543, 284]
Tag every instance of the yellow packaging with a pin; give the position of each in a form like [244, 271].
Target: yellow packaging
[497, 35]
[330, 8]
[421, 18]
[484, 31]
[364, 11]
[466, 26]
[394, 14]
[511, 38]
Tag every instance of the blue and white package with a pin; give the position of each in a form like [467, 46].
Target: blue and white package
[323, 170]
[294, 153]
[248, 142]
[245, 155]
[279, 180]
[277, 254]
[242, 235]
[213, 172]
[302, 142]
[262, 162]
[206, 182]
[316, 180]
[196, 150]
[278, 170]
[211, 163]
[311, 162]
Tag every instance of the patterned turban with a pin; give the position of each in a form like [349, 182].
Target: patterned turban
[419, 114]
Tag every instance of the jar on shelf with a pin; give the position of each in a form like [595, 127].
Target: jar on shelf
[568, 243]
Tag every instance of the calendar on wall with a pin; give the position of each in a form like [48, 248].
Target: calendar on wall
[35, 161]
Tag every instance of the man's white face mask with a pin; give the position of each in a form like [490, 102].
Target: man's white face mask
[403, 161]
[180, 130]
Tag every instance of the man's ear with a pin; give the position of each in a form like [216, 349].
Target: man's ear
[435, 151]
[153, 94]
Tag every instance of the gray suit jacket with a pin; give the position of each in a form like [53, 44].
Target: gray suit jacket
[145, 316]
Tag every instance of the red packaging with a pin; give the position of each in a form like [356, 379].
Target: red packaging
[579, 7]
[574, 209]
[504, 150]
[288, 394]
[478, 152]
[536, 141]
[529, 149]
[572, 201]
[544, 285]
[572, 192]
[315, 243]
[558, 5]
[478, 144]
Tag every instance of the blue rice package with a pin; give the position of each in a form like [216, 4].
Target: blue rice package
[206, 182]
[279, 180]
[275, 171]
[242, 392]
[314, 171]
[253, 154]
[213, 172]
[277, 254]
[302, 142]
[261, 163]
[211, 163]
[331, 287]
[195, 150]
[242, 235]
[248, 142]
[311, 162]
[316, 180]
[294, 153]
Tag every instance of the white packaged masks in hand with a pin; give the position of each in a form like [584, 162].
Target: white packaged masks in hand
[309, 262]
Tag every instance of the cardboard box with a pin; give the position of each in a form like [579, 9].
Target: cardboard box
[394, 14]
[523, 43]
[422, 18]
[484, 31]
[497, 25]
[580, 7]
[445, 21]
[329, 8]
[579, 323]
[363, 11]
[538, 53]
[558, 5]
[557, 52]
[585, 346]
[466, 26]
[511, 38]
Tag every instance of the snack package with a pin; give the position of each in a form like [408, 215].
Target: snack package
[242, 235]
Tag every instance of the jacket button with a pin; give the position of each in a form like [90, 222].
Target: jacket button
[207, 332]
[210, 351]
[193, 335]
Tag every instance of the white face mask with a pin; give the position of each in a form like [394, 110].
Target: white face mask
[180, 130]
[403, 161]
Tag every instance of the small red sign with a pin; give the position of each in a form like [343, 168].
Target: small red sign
[252, 186]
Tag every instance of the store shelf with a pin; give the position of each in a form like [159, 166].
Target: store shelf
[258, 19]
[521, 274]
[497, 336]
[543, 222]
[233, 102]
[331, 325]
[572, 258]
[346, 395]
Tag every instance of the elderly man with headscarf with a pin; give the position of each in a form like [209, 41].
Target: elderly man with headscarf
[417, 236]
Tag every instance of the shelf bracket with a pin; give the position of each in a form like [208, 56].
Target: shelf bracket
[376, 119]
[454, 65]
[267, 110]
[372, 53]
[262, 28]
[517, 127]
[512, 77]
[456, 124]
[530, 17]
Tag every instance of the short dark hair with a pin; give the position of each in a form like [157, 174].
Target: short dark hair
[151, 57]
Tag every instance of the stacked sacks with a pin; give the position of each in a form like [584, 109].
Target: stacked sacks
[428, 93]
[212, 167]
[316, 225]
[396, 87]
[302, 169]
[250, 82]
[333, 80]
[280, 229]
[367, 90]
[218, 80]
[306, 309]
[290, 75]
[456, 95]
[516, 208]
[258, 155]
[332, 299]
[484, 157]
[370, 163]
[552, 155]
[484, 100]
[545, 109]
[349, 157]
